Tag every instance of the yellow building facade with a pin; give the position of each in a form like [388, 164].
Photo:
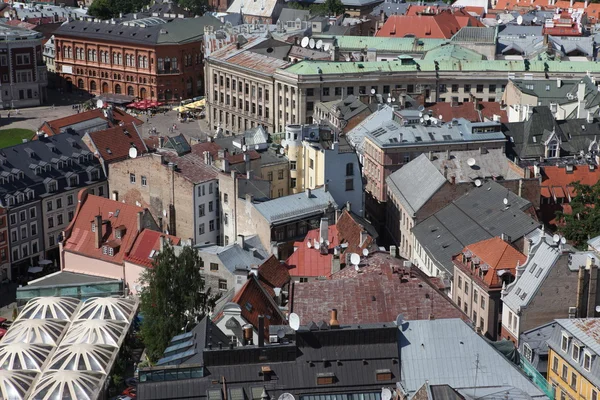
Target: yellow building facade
[573, 365]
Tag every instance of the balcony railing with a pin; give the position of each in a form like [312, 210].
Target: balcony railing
[168, 72]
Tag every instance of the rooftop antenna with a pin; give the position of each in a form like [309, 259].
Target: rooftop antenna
[421, 108]
[386, 394]
[326, 47]
[400, 319]
[133, 152]
[556, 238]
[294, 321]
[372, 91]
[280, 333]
[309, 244]
[311, 43]
[471, 162]
[319, 44]
[476, 371]
[477, 182]
[365, 252]
[505, 201]
[304, 41]
[354, 259]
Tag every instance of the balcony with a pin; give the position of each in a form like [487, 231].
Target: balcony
[168, 72]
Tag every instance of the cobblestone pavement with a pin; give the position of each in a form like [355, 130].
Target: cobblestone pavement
[61, 105]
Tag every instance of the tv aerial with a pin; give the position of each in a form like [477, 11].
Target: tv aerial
[471, 162]
[505, 201]
[477, 182]
[133, 153]
[309, 244]
[354, 259]
[311, 43]
[556, 238]
[365, 252]
[386, 394]
[286, 396]
[319, 44]
[326, 46]
[304, 41]
[244, 148]
[400, 319]
[373, 91]
[294, 321]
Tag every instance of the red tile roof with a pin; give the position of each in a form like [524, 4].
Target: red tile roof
[349, 231]
[79, 237]
[113, 144]
[378, 293]
[53, 127]
[255, 301]
[485, 111]
[145, 242]
[440, 26]
[308, 261]
[239, 157]
[273, 274]
[592, 10]
[496, 254]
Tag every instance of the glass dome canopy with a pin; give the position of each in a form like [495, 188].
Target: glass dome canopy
[67, 385]
[108, 308]
[83, 357]
[14, 385]
[95, 331]
[35, 331]
[23, 356]
[50, 307]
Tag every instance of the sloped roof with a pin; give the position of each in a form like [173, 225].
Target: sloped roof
[475, 34]
[113, 144]
[80, 238]
[379, 292]
[349, 228]
[520, 293]
[145, 244]
[555, 177]
[497, 255]
[440, 351]
[415, 183]
[15, 385]
[295, 206]
[61, 308]
[485, 110]
[308, 261]
[59, 125]
[443, 25]
[273, 273]
[260, 8]
[453, 51]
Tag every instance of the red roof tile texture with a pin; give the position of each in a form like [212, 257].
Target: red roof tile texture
[378, 293]
[81, 240]
[255, 301]
[485, 111]
[53, 127]
[349, 231]
[113, 144]
[273, 274]
[496, 254]
[440, 26]
[145, 242]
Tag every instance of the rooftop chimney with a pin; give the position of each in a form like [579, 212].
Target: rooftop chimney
[393, 251]
[241, 241]
[324, 230]
[363, 237]
[333, 321]
[247, 329]
[308, 193]
[161, 142]
[97, 228]
[591, 307]
[348, 208]
[140, 221]
[261, 331]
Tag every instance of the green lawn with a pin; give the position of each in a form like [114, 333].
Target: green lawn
[10, 137]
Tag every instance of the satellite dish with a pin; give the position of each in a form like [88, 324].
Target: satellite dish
[421, 108]
[304, 42]
[280, 335]
[133, 152]
[421, 120]
[319, 44]
[311, 43]
[556, 238]
[327, 243]
[372, 91]
[389, 100]
[309, 244]
[99, 104]
[386, 394]
[138, 288]
[505, 201]
[365, 252]
[286, 396]
[426, 117]
[294, 321]
[326, 47]
[354, 259]
[164, 213]
[520, 20]
[563, 240]
[244, 148]
[356, 268]
[393, 99]
[471, 162]
[440, 118]
[282, 150]
[597, 308]
[477, 182]
[399, 319]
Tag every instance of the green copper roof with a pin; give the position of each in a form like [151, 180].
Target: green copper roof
[332, 68]
[409, 45]
[453, 52]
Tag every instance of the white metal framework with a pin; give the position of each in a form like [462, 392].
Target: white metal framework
[23, 356]
[107, 308]
[67, 385]
[82, 357]
[96, 331]
[50, 307]
[36, 331]
[14, 385]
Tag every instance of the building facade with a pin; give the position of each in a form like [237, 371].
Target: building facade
[149, 58]
[23, 73]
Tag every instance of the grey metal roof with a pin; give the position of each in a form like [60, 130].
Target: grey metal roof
[536, 339]
[25, 157]
[291, 14]
[64, 278]
[448, 351]
[473, 34]
[357, 135]
[478, 215]
[594, 243]
[519, 293]
[295, 206]
[180, 30]
[344, 109]
[235, 258]
[390, 8]
[585, 332]
[415, 183]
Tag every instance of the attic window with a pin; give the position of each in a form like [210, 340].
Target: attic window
[249, 306]
[108, 151]
[383, 375]
[326, 378]
[539, 272]
[119, 232]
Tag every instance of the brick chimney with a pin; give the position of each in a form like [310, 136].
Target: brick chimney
[97, 228]
[333, 321]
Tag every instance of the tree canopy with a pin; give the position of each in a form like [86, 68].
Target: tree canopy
[106, 9]
[329, 7]
[173, 298]
[583, 222]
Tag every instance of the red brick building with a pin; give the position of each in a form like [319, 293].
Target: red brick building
[148, 58]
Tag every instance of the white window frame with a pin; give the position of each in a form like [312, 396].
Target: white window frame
[578, 347]
[564, 340]
[589, 356]
[527, 352]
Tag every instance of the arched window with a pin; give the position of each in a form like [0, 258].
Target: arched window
[553, 149]
[120, 59]
[145, 62]
[130, 91]
[90, 58]
[80, 84]
[140, 61]
[118, 89]
[349, 169]
[115, 59]
[93, 85]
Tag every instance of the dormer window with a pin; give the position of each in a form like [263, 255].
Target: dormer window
[20, 198]
[52, 186]
[10, 200]
[119, 232]
[73, 181]
[564, 343]
[587, 361]
[325, 378]
[576, 352]
[552, 149]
